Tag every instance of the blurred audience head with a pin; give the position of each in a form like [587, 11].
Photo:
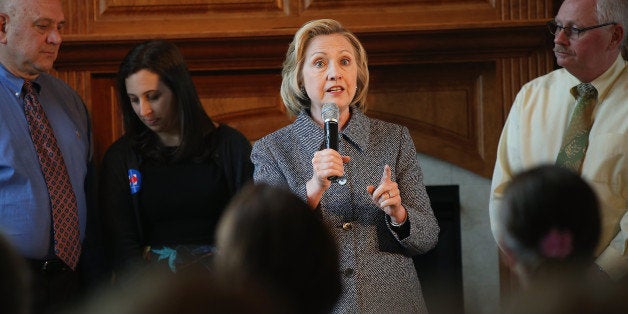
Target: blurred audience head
[14, 280]
[160, 291]
[270, 236]
[569, 296]
[551, 223]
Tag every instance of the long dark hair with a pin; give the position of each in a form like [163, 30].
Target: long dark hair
[164, 59]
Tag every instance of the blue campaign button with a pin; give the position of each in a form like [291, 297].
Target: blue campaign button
[135, 180]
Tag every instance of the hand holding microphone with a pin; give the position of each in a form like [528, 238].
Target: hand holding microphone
[330, 115]
[327, 164]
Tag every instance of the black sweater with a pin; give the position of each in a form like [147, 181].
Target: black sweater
[134, 220]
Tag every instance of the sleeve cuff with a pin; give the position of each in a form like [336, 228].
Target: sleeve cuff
[613, 263]
[402, 230]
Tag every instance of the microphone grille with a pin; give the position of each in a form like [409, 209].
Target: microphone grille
[330, 112]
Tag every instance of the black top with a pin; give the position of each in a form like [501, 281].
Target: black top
[181, 203]
[176, 203]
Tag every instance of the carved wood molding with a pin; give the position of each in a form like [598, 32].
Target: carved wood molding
[220, 18]
[490, 41]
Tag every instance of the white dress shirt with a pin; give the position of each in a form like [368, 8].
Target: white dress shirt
[533, 135]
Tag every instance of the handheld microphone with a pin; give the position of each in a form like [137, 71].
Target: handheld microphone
[330, 116]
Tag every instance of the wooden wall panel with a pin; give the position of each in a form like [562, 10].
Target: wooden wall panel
[516, 71]
[106, 117]
[181, 7]
[246, 100]
[448, 70]
[452, 89]
[444, 106]
[228, 18]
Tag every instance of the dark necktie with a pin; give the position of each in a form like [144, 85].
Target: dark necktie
[62, 199]
[576, 138]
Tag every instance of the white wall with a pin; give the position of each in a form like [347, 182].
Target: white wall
[480, 269]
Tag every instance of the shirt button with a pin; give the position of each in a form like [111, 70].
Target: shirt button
[347, 226]
[349, 272]
[342, 180]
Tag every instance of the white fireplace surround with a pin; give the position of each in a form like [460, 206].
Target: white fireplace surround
[480, 267]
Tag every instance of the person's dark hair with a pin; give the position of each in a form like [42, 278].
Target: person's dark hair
[551, 219]
[14, 280]
[193, 291]
[271, 237]
[164, 59]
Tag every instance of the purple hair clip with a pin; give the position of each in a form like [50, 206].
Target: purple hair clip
[557, 244]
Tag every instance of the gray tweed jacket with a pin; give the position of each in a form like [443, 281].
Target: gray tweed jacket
[375, 264]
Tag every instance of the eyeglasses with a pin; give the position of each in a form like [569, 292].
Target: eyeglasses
[572, 32]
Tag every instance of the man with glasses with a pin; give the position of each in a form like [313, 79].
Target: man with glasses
[560, 119]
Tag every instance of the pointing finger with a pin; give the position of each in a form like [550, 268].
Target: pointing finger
[386, 175]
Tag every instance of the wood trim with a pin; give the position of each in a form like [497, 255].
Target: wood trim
[226, 18]
[491, 41]
[497, 60]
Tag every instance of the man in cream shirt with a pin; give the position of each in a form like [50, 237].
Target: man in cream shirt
[587, 44]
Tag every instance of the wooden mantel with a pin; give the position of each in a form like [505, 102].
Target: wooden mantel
[448, 69]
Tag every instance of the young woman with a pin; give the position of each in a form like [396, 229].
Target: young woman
[166, 182]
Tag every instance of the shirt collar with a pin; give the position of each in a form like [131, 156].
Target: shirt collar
[605, 82]
[10, 81]
[312, 134]
[14, 83]
[355, 132]
[357, 129]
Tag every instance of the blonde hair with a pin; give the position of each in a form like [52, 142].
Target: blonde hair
[292, 92]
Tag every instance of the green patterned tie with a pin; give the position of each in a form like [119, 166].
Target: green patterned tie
[576, 138]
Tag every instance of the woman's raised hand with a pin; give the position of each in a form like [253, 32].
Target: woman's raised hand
[387, 197]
